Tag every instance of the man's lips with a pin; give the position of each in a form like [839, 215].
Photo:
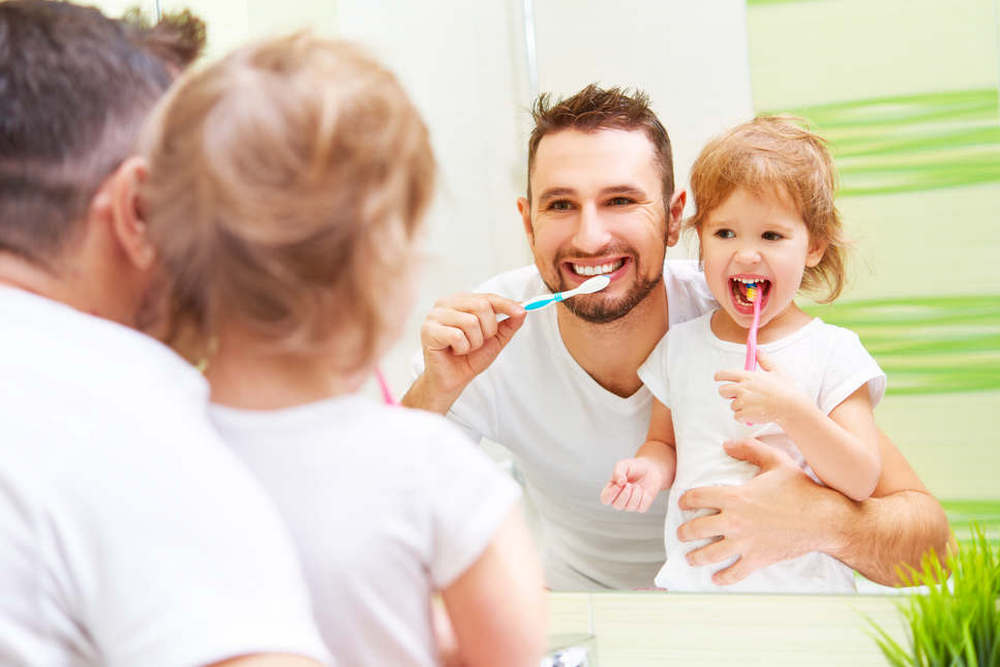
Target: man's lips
[581, 270]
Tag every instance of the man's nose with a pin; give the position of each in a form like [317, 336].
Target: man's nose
[592, 232]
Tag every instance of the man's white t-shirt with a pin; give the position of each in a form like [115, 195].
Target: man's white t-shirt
[387, 505]
[825, 362]
[565, 433]
[129, 534]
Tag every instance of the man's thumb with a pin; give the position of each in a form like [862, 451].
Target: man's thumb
[507, 328]
[753, 451]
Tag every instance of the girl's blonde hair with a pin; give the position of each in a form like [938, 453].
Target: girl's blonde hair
[287, 182]
[776, 155]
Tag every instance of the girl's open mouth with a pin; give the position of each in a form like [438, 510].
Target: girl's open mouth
[738, 286]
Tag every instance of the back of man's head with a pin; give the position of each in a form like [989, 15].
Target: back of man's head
[594, 108]
[75, 87]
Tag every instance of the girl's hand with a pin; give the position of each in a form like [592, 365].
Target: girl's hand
[634, 484]
[759, 397]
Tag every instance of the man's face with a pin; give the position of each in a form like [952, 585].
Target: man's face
[597, 208]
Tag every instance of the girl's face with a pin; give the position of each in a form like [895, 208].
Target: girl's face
[756, 238]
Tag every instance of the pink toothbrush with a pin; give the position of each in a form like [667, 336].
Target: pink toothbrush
[751, 363]
[384, 386]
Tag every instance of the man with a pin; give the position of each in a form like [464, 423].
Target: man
[564, 395]
[128, 533]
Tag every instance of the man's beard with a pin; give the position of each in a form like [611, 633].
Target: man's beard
[598, 308]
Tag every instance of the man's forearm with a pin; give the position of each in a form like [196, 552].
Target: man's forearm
[879, 536]
[423, 396]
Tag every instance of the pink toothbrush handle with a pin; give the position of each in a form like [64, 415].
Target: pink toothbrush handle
[384, 386]
[751, 362]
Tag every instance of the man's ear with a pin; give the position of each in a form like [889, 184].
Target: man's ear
[675, 213]
[127, 220]
[524, 208]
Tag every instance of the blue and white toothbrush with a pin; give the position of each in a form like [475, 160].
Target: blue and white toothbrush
[589, 286]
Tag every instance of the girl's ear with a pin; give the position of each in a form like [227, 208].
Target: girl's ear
[816, 252]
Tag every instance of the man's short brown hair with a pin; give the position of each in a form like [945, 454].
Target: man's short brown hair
[75, 87]
[595, 108]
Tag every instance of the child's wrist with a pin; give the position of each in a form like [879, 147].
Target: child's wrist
[795, 408]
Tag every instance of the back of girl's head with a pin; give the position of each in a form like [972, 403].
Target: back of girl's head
[287, 182]
[776, 156]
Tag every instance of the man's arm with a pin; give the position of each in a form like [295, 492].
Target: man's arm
[781, 513]
[899, 524]
[460, 339]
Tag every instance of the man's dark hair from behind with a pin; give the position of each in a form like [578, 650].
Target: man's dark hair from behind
[75, 87]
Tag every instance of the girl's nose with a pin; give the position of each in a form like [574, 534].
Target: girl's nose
[748, 253]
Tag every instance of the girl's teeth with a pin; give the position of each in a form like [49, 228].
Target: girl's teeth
[582, 270]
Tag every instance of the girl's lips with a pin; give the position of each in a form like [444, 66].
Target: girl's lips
[736, 292]
[574, 279]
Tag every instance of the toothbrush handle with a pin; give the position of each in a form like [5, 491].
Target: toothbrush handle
[539, 302]
[751, 360]
[542, 301]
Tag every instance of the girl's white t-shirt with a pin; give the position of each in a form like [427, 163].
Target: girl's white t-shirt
[826, 362]
[386, 505]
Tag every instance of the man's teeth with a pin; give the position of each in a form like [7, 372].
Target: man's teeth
[596, 270]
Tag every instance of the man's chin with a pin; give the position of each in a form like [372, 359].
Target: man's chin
[599, 313]
[599, 309]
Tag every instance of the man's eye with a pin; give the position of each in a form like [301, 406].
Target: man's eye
[560, 205]
[725, 233]
[771, 236]
[619, 201]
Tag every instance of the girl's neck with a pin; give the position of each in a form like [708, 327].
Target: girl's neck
[787, 322]
[252, 376]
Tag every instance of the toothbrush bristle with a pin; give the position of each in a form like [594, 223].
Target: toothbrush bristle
[595, 284]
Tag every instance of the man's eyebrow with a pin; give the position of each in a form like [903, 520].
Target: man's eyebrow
[632, 190]
[552, 193]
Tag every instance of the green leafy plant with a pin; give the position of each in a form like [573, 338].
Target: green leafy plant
[956, 623]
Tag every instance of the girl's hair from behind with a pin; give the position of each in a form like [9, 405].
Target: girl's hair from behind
[287, 183]
[776, 155]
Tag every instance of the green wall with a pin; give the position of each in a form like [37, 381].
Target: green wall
[906, 93]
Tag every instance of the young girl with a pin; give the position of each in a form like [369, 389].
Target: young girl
[767, 227]
[286, 186]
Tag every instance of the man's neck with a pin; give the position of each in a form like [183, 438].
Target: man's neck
[611, 353]
[19, 273]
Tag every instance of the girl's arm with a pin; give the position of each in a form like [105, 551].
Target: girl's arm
[636, 482]
[498, 606]
[842, 448]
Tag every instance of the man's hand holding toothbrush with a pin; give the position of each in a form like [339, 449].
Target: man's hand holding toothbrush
[460, 339]
[463, 334]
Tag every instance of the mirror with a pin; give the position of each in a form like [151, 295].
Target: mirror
[904, 91]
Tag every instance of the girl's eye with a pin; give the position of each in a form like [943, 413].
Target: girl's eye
[725, 233]
[771, 236]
